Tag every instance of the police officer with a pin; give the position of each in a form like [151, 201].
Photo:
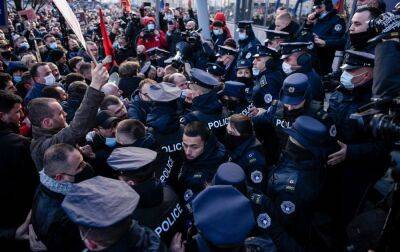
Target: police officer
[247, 40]
[295, 100]
[275, 38]
[233, 96]
[326, 29]
[244, 74]
[205, 104]
[224, 218]
[268, 75]
[158, 207]
[163, 123]
[361, 157]
[157, 56]
[296, 59]
[102, 208]
[245, 150]
[295, 184]
[227, 57]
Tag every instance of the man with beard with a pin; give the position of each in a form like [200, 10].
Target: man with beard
[203, 155]
[63, 166]
[48, 118]
[359, 33]
[18, 178]
[295, 100]
[268, 75]
[246, 151]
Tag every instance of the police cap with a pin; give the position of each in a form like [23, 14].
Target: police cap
[105, 119]
[294, 89]
[100, 202]
[155, 51]
[132, 160]
[234, 89]
[215, 69]
[146, 68]
[287, 49]
[204, 79]
[223, 215]
[244, 24]
[244, 63]
[231, 174]
[164, 92]
[272, 34]
[226, 50]
[357, 59]
[309, 132]
[263, 51]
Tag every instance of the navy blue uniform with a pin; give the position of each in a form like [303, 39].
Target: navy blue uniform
[247, 46]
[267, 87]
[330, 28]
[317, 89]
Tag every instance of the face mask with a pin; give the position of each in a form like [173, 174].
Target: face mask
[150, 27]
[323, 15]
[242, 36]
[17, 79]
[360, 40]
[256, 71]
[231, 142]
[24, 45]
[346, 79]
[111, 142]
[217, 32]
[287, 68]
[53, 45]
[49, 80]
[245, 80]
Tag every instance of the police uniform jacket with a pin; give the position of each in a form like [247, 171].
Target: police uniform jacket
[267, 86]
[250, 156]
[294, 186]
[159, 209]
[331, 29]
[208, 109]
[52, 226]
[317, 89]
[247, 46]
[138, 238]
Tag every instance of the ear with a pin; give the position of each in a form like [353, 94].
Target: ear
[47, 123]
[2, 116]
[59, 177]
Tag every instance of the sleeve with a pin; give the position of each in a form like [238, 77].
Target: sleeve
[264, 118]
[84, 119]
[336, 39]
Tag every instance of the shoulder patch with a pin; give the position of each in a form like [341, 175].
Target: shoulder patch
[248, 55]
[333, 131]
[187, 195]
[268, 98]
[338, 27]
[288, 207]
[263, 81]
[263, 220]
[256, 176]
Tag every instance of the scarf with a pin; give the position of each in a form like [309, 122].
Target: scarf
[53, 185]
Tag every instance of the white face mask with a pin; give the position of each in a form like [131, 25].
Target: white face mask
[242, 36]
[217, 32]
[49, 80]
[150, 27]
[256, 71]
[346, 79]
[287, 68]
[53, 45]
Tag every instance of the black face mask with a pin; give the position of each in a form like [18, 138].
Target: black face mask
[294, 113]
[86, 173]
[245, 80]
[231, 142]
[360, 40]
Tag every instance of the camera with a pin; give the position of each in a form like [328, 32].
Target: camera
[192, 36]
[381, 117]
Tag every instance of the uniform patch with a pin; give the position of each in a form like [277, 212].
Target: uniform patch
[256, 177]
[338, 27]
[263, 81]
[288, 207]
[187, 195]
[291, 89]
[263, 220]
[332, 131]
[268, 98]
[247, 90]
[310, 46]
[214, 67]
[248, 55]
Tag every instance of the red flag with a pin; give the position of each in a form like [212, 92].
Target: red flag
[107, 45]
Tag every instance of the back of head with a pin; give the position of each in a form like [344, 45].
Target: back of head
[39, 109]
[242, 124]
[55, 159]
[108, 101]
[51, 92]
[128, 69]
[77, 89]
[129, 130]
[72, 77]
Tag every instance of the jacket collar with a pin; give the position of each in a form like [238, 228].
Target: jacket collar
[38, 132]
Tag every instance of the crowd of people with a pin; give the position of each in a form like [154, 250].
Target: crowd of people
[172, 142]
